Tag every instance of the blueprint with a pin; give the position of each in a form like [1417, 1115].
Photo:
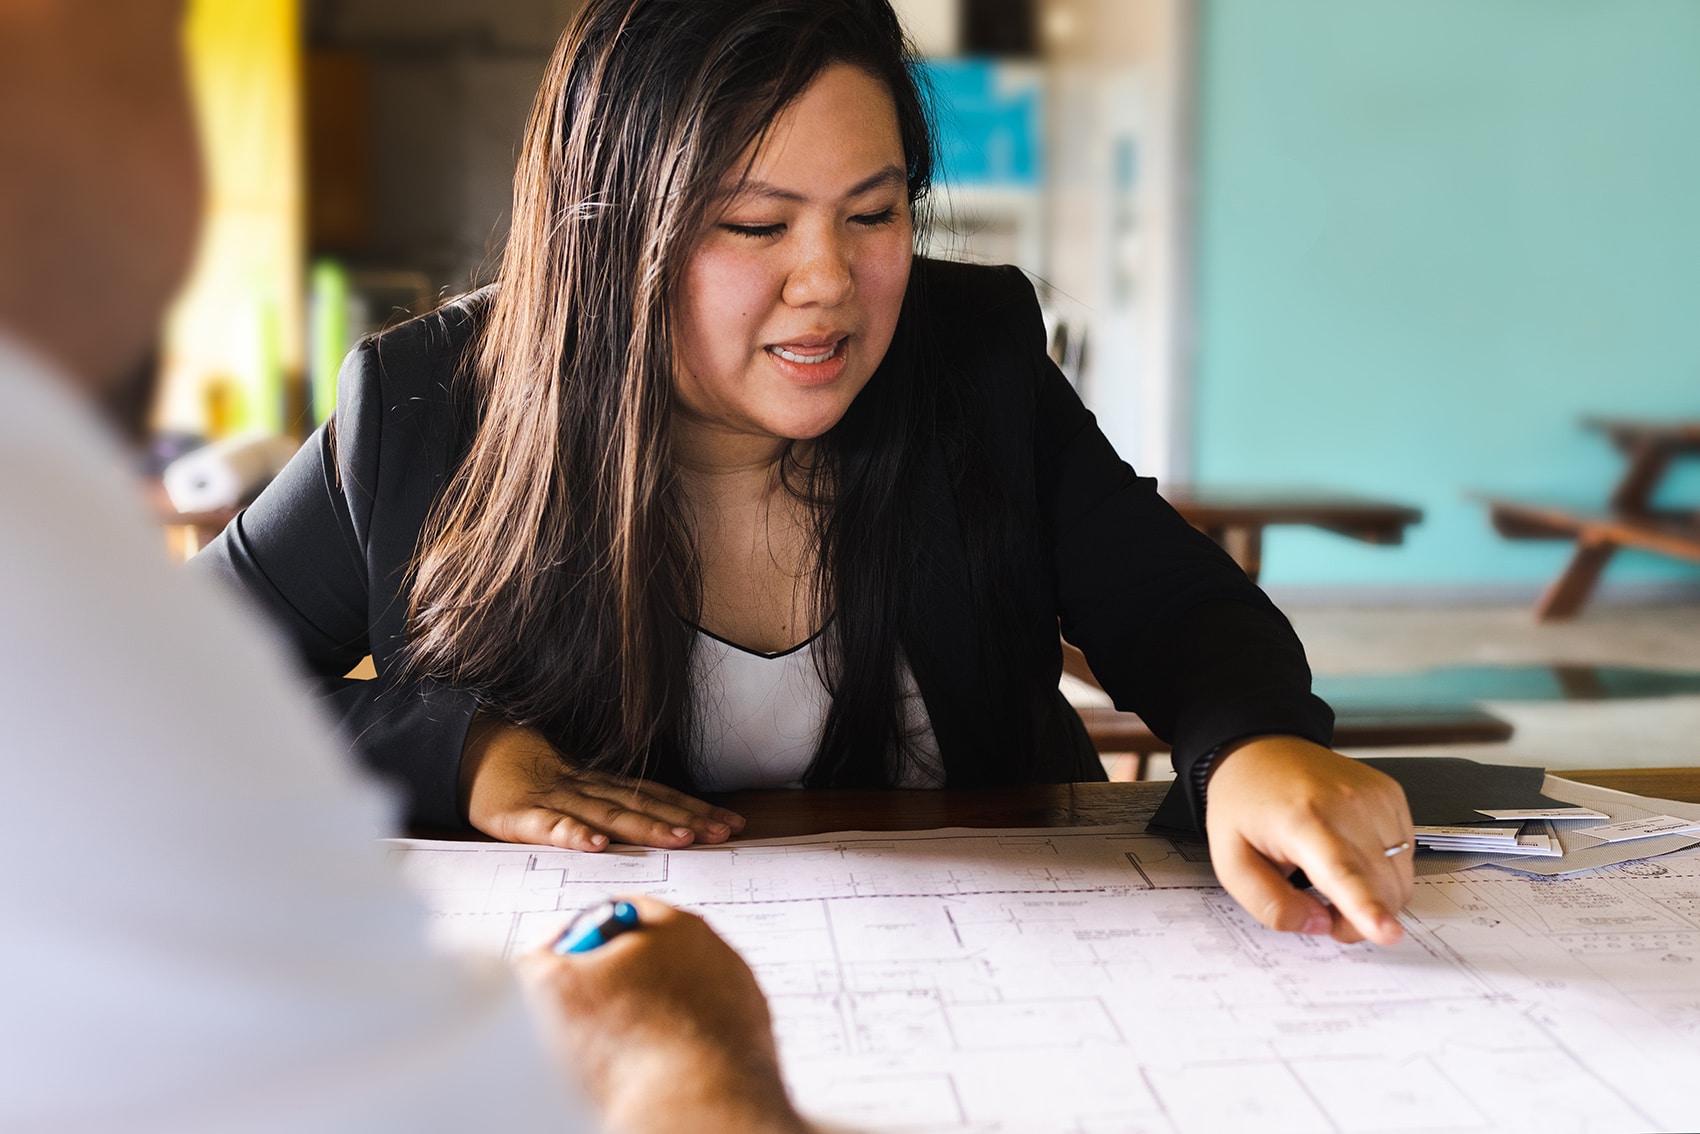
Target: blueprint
[1097, 981]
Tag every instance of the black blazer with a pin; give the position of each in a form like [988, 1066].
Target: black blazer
[1171, 627]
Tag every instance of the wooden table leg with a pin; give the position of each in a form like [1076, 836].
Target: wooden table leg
[1580, 682]
[1243, 543]
[1569, 592]
[1246, 546]
[1647, 465]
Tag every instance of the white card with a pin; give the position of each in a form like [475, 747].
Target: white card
[1544, 813]
[1507, 833]
[1642, 828]
[1539, 845]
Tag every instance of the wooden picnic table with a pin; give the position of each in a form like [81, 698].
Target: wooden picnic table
[1235, 517]
[1628, 520]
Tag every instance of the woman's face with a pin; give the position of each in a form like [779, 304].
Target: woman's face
[790, 299]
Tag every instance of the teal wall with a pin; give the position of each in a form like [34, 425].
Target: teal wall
[1432, 233]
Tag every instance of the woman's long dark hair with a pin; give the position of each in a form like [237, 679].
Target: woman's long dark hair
[556, 572]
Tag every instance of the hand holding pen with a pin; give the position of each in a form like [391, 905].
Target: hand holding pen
[661, 1018]
[596, 925]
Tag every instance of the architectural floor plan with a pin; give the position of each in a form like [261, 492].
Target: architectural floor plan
[1097, 981]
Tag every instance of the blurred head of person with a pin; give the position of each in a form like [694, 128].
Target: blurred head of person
[99, 186]
[713, 221]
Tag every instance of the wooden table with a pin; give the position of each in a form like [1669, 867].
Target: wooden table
[1236, 517]
[186, 532]
[779, 814]
[788, 814]
[1119, 969]
[1629, 519]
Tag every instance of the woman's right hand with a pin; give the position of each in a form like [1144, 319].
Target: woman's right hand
[667, 1028]
[512, 788]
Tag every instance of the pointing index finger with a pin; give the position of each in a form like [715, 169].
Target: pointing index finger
[1364, 894]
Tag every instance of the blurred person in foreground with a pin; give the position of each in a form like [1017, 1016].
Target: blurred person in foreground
[201, 931]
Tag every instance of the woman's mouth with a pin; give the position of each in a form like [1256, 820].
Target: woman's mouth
[811, 362]
[808, 354]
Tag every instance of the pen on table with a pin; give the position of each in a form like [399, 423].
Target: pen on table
[596, 925]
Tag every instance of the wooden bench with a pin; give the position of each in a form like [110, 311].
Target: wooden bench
[1629, 520]
[1236, 517]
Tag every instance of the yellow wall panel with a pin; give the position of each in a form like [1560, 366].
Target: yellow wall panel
[235, 333]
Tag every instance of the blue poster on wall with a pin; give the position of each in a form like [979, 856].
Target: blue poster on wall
[990, 119]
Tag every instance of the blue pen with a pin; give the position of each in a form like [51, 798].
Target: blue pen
[596, 925]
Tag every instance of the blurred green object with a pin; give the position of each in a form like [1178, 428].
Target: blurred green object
[329, 332]
[258, 361]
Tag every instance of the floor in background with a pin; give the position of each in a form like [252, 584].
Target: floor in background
[1620, 732]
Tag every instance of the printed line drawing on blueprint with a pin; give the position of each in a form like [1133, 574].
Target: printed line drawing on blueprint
[1097, 981]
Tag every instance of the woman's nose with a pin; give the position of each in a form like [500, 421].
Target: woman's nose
[821, 276]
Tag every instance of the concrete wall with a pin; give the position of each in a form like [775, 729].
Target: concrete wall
[1431, 234]
[451, 85]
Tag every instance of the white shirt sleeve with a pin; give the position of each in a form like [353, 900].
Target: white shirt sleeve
[200, 929]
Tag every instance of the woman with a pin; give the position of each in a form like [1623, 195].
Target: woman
[721, 487]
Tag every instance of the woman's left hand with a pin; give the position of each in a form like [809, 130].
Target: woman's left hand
[1280, 802]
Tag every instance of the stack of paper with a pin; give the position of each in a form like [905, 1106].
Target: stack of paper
[1535, 837]
[1462, 807]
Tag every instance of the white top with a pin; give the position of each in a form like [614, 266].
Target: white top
[760, 717]
[201, 932]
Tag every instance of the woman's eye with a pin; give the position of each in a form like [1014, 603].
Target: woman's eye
[755, 231]
[874, 220]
